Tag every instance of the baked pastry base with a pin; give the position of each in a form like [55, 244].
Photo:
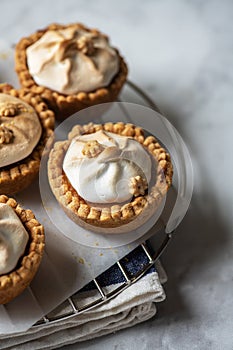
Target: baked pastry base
[13, 283]
[115, 218]
[66, 105]
[18, 176]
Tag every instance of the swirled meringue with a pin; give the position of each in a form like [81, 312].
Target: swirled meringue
[72, 60]
[20, 129]
[13, 239]
[100, 166]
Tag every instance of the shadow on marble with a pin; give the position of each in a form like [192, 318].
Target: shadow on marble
[199, 243]
[31, 194]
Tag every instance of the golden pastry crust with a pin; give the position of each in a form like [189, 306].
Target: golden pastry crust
[64, 105]
[14, 283]
[116, 215]
[16, 177]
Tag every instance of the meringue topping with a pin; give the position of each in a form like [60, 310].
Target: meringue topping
[72, 60]
[20, 129]
[13, 239]
[101, 167]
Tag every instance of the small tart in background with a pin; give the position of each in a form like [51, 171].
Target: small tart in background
[90, 71]
[13, 282]
[26, 124]
[109, 178]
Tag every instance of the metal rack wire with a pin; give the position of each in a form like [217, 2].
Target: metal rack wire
[101, 296]
[72, 307]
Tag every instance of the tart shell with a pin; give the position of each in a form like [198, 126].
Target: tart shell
[115, 216]
[18, 176]
[14, 283]
[66, 105]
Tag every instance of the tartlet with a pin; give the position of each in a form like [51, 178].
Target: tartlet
[15, 281]
[128, 211]
[26, 124]
[65, 104]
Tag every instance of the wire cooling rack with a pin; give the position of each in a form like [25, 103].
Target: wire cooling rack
[75, 305]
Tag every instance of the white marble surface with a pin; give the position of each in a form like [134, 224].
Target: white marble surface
[181, 53]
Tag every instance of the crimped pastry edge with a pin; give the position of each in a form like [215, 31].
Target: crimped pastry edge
[14, 283]
[66, 105]
[116, 216]
[16, 177]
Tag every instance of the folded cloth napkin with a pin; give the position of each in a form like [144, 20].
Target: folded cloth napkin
[133, 305]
